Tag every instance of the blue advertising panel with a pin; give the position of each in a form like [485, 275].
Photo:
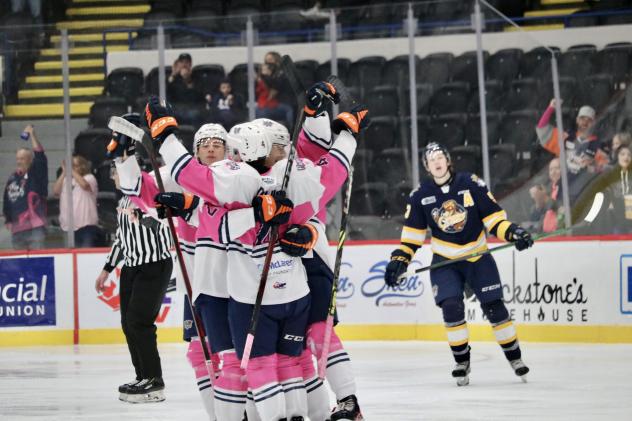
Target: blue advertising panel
[27, 291]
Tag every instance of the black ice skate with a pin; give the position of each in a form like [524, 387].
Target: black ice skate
[461, 373]
[520, 369]
[124, 388]
[347, 409]
[147, 390]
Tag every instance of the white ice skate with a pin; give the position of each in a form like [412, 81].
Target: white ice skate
[520, 369]
[461, 373]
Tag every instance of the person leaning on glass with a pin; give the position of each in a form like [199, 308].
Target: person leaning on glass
[84, 202]
[24, 204]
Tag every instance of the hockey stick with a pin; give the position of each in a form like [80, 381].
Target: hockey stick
[588, 219]
[120, 125]
[342, 237]
[288, 67]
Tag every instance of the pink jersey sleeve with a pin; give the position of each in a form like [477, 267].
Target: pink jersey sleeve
[227, 184]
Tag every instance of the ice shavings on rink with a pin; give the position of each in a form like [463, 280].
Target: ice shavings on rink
[396, 381]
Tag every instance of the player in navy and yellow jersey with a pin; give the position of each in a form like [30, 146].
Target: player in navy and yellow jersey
[459, 211]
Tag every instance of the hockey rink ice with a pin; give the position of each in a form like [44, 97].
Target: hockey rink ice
[396, 381]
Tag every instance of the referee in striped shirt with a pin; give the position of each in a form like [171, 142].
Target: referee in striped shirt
[143, 244]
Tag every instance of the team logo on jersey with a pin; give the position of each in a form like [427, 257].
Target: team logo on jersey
[279, 285]
[268, 181]
[450, 217]
[232, 165]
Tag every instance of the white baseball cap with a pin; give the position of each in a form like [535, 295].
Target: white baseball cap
[586, 111]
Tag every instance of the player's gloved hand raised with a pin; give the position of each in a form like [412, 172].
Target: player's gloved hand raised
[353, 121]
[298, 240]
[160, 119]
[316, 96]
[120, 145]
[181, 204]
[519, 236]
[396, 267]
[272, 209]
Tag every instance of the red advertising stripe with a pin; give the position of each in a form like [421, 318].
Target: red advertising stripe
[75, 298]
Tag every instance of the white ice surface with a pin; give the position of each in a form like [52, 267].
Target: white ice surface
[396, 381]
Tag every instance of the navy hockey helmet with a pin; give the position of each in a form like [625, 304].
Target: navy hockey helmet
[432, 148]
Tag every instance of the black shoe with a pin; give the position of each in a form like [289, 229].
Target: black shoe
[124, 388]
[147, 390]
[347, 409]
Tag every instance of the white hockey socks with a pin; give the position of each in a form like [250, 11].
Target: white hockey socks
[195, 356]
[339, 373]
[230, 389]
[291, 379]
[317, 397]
[267, 392]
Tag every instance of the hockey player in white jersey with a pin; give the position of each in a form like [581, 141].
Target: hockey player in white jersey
[226, 185]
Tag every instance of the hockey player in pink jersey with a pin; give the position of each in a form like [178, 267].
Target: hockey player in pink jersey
[234, 185]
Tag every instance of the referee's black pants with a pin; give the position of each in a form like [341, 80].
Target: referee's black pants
[142, 290]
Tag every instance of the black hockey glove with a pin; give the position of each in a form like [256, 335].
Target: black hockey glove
[396, 267]
[181, 204]
[519, 236]
[272, 209]
[160, 119]
[120, 145]
[298, 240]
[353, 121]
[316, 96]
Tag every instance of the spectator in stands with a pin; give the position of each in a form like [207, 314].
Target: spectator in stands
[619, 192]
[226, 107]
[273, 95]
[25, 195]
[618, 140]
[84, 199]
[35, 7]
[542, 215]
[555, 180]
[584, 156]
[180, 83]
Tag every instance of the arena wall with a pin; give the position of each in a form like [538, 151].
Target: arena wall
[558, 291]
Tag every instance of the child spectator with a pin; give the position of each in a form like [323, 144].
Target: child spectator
[226, 107]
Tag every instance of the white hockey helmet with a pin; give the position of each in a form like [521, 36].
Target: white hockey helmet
[277, 132]
[250, 140]
[209, 131]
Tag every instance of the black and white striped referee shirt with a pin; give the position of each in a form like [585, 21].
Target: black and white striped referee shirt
[137, 243]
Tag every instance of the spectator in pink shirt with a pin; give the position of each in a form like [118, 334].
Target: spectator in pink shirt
[84, 199]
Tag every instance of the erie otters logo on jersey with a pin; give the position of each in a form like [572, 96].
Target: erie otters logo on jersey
[451, 217]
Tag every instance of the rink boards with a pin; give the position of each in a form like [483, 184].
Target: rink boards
[559, 291]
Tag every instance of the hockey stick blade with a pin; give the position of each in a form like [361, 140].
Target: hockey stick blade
[588, 219]
[122, 126]
[595, 208]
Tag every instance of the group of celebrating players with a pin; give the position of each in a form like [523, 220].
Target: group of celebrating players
[227, 200]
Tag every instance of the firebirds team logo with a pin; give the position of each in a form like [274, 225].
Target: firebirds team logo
[451, 217]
